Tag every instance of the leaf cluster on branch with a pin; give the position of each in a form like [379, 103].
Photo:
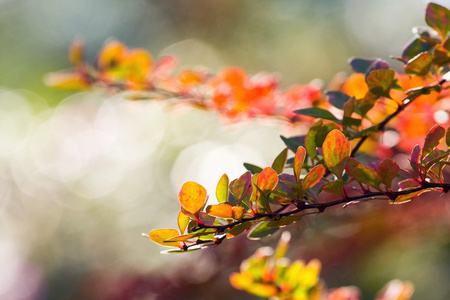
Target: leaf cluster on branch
[373, 110]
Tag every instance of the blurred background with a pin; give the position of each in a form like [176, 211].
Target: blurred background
[84, 174]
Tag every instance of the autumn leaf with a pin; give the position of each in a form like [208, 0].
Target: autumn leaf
[192, 197]
[160, 235]
[336, 148]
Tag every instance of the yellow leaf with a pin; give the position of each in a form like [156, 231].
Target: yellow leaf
[160, 235]
[192, 197]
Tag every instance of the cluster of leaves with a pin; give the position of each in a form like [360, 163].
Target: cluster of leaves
[232, 91]
[323, 171]
[268, 274]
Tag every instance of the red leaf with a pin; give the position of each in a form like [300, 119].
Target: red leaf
[433, 139]
[388, 170]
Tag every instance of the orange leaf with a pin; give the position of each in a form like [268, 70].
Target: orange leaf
[66, 81]
[160, 235]
[313, 177]
[224, 211]
[267, 179]
[298, 162]
[336, 148]
[111, 54]
[192, 197]
[76, 51]
[238, 212]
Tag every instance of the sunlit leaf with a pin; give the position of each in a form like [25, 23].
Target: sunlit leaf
[267, 179]
[185, 237]
[192, 197]
[159, 236]
[183, 222]
[298, 162]
[313, 177]
[438, 18]
[264, 200]
[363, 174]
[432, 140]
[419, 64]
[336, 148]
[222, 210]
[388, 170]
[407, 197]
[317, 112]
[238, 212]
[222, 189]
[280, 161]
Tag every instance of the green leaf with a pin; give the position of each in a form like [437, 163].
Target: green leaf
[419, 64]
[336, 149]
[388, 170]
[363, 174]
[310, 139]
[407, 197]
[264, 200]
[438, 18]
[313, 177]
[261, 230]
[432, 140]
[447, 137]
[252, 168]
[317, 112]
[280, 161]
[222, 189]
[298, 162]
[337, 98]
[380, 82]
[238, 229]
[294, 142]
[334, 187]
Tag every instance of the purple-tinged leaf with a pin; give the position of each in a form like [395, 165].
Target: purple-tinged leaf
[414, 48]
[388, 170]
[360, 65]
[241, 186]
[419, 64]
[416, 154]
[447, 137]
[432, 140]
[438, 18]
[407, 184]
[363, 174]
[337, 98]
